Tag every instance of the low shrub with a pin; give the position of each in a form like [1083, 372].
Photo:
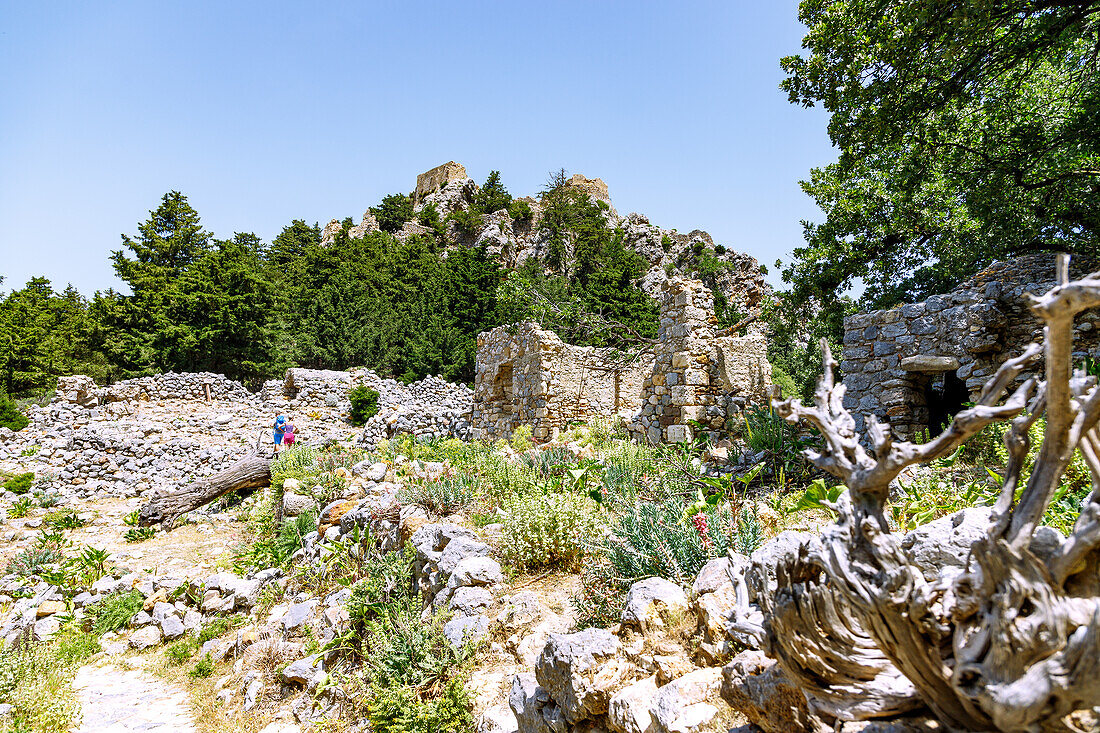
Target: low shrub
[273, 547]
[36, 680]
[521, 438]
[445, 496]
[19, 483]
[549, 530]
[403, 709]
[297, 462]
[10, 416]
[364, 404]
[181, 652]
[656, 539]
[139, 534]
[21, 507]
[203, 668]
[115, 611]
[63, 519]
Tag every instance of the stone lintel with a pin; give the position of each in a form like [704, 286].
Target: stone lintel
[924, 363]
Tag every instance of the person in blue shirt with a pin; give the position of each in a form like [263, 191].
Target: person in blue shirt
[280, 431]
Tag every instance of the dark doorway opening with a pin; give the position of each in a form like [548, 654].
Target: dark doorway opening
[945, 395]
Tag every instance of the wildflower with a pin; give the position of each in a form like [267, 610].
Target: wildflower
[700, 523]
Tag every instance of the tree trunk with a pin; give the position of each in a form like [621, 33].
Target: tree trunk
[251, 472]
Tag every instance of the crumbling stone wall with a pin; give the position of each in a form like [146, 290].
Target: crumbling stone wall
[529, 376]
[913, 365]
[697, 377]
[80, 389]
[430, 181]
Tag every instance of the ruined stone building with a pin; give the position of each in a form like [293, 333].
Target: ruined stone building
[528, 376]
[916, 365]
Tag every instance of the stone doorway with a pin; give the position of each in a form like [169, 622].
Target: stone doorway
[945, 394]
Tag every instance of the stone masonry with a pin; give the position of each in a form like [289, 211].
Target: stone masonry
[431, 181]
[915, 365]
[529, 376]
[698, 378]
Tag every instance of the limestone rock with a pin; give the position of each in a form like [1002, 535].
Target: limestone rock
[466, 630]
[301, 671]
[497, 719]
[295, 504]
[582, 671]
[629, 708]
[330, 516]
[692, 704]
[145, 637]
[654, 603]
[945, 542]
[172, 627]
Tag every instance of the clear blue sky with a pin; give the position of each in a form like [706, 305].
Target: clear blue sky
[265, 112]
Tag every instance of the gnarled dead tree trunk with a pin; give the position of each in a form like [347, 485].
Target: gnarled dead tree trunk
[253, 471]
[1010, 641]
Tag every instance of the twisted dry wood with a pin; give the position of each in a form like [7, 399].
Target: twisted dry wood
[1011, 642]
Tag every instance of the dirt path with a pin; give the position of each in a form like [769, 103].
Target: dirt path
[116, 700]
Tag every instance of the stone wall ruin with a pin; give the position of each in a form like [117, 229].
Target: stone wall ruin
[528, 376]
[438, 177]
[915, 365]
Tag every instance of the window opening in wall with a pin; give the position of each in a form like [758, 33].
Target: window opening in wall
[502, 388]
[945, 396]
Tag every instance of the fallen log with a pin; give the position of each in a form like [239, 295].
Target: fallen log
[251, 472]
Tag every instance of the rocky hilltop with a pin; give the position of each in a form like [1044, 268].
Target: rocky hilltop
[667, 253]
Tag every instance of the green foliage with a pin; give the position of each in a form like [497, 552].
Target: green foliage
[402, 709]
[63, 519]
[298, 462]
[203, 668]
[115, 611]
[364, 404]
[521, 438]
[445, 496]
[197, 304]
[273, 546]
[779, 441]
[492, 196]
[181, 652]
[521, 212]
[968, 132]
[139, 534]
[393, 212]
[549, 530]
[36, 681]
[20, 483]
[819, 495]
[655, 539]
[44, 334]
[218, 626]
[21, 507]
[90, 565]
[10, 416]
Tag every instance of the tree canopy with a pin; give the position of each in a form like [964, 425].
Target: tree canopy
[968, 131]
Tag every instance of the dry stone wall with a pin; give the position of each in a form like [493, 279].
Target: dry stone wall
[82, 390]
[528, 376]
[698, 379]
[916, 364]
